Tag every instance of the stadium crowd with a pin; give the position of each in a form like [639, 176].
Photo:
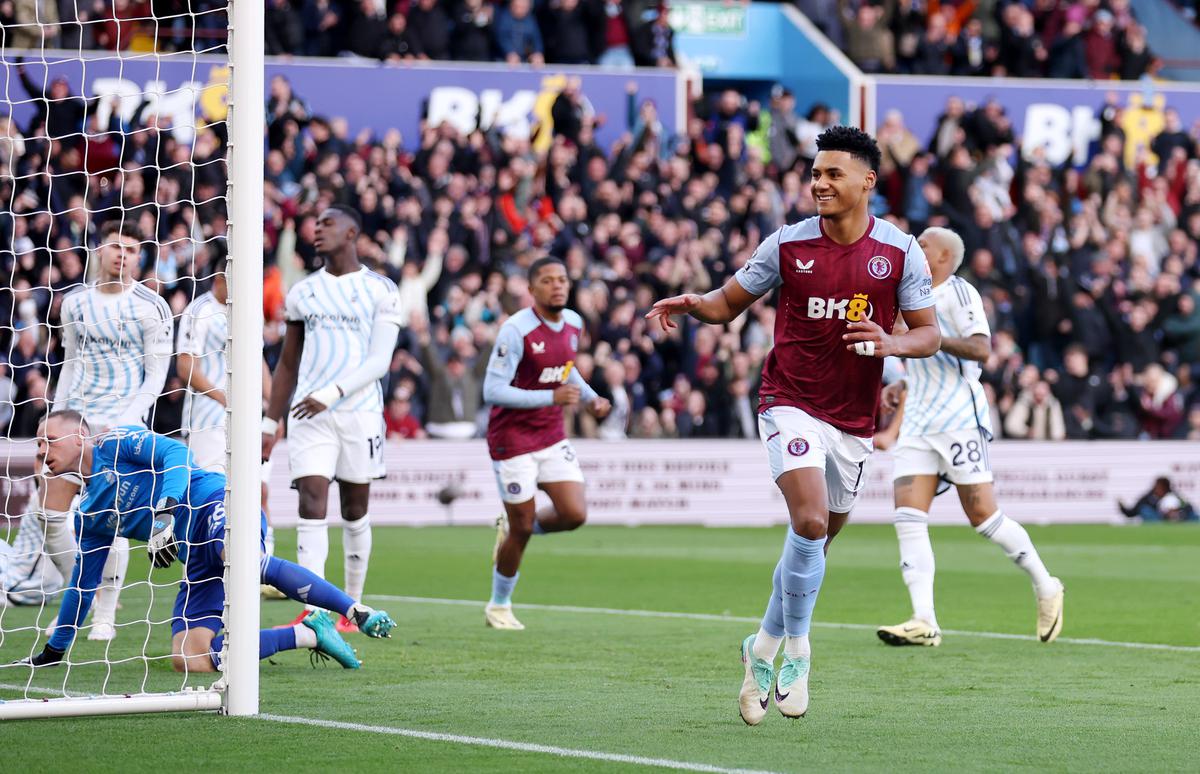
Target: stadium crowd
[1089, 274]
[614, 33]
[1042, 38]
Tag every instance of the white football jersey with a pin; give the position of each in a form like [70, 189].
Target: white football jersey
[944, 393]
[338, 314]
[203, 331]
[117, 348]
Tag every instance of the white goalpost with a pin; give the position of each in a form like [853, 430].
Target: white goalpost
[150, 130]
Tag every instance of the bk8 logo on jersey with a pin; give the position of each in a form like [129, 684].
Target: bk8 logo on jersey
[556, 374]
[854, 309]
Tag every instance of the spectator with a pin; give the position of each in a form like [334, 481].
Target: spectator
[1161, 503]
[933, 50]
[1171, 137]
[517, 34]
[1022, 54]
[117, 31]
[56, 110]
[569, 111]
[1068, 53]
[1137, 60]
[612, 35]
[783, 128]
[429, 27]
[971, 54]
[1181, 330]
[284, 28]
[471, 34]
[567, 33]
[399, 44]
[398, 419]
[367, 30]
[1159, 402]
[456, 385]
[321, 19]
[869, 43]
[653, 42]
[1103, 59]
[614, 426]
[1036, 416]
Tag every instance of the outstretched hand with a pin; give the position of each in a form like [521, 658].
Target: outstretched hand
[662, 310]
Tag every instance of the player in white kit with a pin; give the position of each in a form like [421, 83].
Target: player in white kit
[117, 348]
[944, 432]
[342, 324]
[201, 363]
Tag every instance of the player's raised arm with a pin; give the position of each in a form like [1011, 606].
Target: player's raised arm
[758, 277]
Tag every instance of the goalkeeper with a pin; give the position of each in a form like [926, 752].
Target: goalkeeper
[146, 486]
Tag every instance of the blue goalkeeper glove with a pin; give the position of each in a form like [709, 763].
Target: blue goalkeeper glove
[162, 545]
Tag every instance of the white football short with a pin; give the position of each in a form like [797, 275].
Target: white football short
[794, 439]
[208, 448]
[518, 477]
[959, 456]
[342, 445]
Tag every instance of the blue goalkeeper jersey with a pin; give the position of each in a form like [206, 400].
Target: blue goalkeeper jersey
[132, 469]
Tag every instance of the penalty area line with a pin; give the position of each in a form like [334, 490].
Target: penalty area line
[506, 744]
[749, 620]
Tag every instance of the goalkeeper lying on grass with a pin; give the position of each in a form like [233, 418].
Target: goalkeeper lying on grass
[145, 486]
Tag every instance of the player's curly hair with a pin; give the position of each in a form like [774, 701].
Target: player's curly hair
[852, 140]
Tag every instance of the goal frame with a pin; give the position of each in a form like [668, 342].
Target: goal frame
[235, 692]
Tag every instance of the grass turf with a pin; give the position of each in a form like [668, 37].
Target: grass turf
[666, 687]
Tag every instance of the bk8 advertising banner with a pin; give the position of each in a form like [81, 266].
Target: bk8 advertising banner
[1062, 117]
[188, 89]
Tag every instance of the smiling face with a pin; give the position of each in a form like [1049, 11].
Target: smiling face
[841, 183]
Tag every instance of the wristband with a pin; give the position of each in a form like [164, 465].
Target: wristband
[327, 395]
[269, 426]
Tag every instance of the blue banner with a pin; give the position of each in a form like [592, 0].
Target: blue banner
[1061, 117]
[372, 96]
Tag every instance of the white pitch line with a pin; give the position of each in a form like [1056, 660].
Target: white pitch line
[31, 689]
[506, 744]
[819, 624]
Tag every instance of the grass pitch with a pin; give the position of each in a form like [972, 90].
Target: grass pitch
[588, 675]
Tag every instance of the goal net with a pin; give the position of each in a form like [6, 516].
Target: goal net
[121, 273]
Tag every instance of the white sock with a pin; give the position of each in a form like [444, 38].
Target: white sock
[1013, 538]
[269, 540]
[59, 540]
[105, 608]
[797, 647]
[356, 549]
[312, 546]
[916, 560]
[766, 647]
[305, 637]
